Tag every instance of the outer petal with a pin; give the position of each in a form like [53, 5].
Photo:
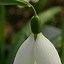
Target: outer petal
[45, 52]
[25, 52]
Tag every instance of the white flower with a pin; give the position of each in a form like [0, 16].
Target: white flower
[39, 51]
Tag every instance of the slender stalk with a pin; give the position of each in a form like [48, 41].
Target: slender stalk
[34, 10]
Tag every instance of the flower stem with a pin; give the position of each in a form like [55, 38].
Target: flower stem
[34, 10]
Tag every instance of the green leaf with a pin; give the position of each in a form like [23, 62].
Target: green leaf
[2, 27]
[56, 40]
[62, 43]
[2, 33]
[18, 39]
[1, 58]
[41, 4]
[15, 2]
[49, 14]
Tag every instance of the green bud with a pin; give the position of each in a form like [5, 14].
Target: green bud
[35, 25]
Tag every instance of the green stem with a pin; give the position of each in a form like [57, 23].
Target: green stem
[34, 10]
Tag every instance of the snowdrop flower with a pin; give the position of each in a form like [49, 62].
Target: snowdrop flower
[39, 51]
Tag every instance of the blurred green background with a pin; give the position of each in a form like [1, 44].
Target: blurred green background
[15, 26]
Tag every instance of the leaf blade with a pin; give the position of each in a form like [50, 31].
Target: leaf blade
[49, 14]
[15, 2]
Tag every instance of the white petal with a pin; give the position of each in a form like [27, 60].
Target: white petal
[45, 52]
[25, 54]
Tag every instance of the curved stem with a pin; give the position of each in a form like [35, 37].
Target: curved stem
[34, 10]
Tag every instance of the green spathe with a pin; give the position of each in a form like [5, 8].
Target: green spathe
[39, 51]
[36, 25]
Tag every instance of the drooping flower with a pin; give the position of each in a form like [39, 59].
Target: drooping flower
[39, 51]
